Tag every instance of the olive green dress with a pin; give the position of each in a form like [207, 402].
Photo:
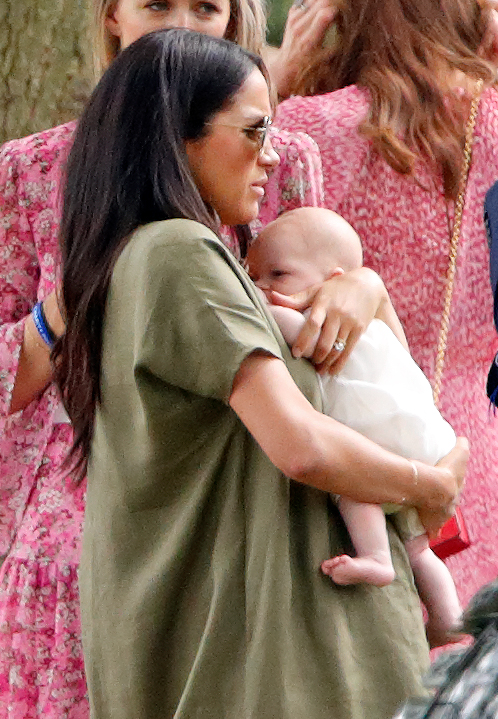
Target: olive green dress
[200, 584]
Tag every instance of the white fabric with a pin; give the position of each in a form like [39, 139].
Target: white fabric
[384, 395]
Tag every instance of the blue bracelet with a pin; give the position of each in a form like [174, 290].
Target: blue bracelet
[41, 324]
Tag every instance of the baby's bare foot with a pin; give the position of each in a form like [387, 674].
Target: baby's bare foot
[357, 570]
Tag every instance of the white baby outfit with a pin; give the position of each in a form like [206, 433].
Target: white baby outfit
[383, 394]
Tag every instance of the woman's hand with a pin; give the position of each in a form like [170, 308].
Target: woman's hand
[453, 468]
[340, 310]
[489, 45]
[307, 23]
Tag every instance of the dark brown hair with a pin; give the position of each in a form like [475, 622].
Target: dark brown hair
[128, 166]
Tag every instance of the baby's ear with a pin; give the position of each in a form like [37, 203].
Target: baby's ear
[335, 272]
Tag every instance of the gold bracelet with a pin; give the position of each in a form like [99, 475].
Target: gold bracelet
[414, 478]
[415, 472]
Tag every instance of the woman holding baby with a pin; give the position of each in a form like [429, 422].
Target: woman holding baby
[222, 610]
[209, 462]
[41, 663]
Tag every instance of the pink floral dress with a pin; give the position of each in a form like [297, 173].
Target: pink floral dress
[41, 512]
[405, 230]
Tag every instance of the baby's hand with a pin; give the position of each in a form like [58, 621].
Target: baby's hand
[263, 296]
[290, 322]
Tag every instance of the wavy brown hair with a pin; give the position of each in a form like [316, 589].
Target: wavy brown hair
[409, 55]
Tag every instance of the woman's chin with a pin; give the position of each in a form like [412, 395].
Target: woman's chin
[242, 214]
[243, 218]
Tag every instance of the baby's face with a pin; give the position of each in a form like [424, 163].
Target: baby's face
[276, 261]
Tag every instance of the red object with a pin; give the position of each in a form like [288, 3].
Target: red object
[452, 537]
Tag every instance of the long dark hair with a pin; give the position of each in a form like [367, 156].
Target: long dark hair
[407, 53]
[128, 167]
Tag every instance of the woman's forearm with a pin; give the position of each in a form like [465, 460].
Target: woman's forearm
[304, 32]
[34, 370]
[387, 314]
[316, 450]
[359, 469]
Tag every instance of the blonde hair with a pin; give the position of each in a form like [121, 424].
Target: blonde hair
[407, 54]
[246, 27]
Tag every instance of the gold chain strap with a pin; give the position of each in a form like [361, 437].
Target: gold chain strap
[455, 237]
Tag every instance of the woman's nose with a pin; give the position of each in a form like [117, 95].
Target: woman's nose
[268, 156]
[182, 19]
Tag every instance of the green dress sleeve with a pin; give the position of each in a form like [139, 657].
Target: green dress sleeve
[198, 315]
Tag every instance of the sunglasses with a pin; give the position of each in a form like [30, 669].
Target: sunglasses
[256, 133]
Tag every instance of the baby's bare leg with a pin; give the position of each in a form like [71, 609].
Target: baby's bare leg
[366, 525]
[437, 591]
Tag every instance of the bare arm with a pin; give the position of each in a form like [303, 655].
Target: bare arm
[387, 314]
[34, 371]
[316, 450]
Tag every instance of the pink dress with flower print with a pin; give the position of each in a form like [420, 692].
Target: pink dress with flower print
[405, 230]
[41, 663]
[41, 513]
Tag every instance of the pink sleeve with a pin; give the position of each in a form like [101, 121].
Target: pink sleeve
[297, 181]
[332, 120]
[19, 273]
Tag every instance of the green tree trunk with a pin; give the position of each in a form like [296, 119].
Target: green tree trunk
[44, 74]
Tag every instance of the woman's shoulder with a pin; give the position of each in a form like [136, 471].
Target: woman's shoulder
[172, 231]
[488, 111]
[484, 155]
[490, 96]
[171, 243]
[41, 150]
[346, 106]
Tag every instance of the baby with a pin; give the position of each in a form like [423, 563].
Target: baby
[380, 392]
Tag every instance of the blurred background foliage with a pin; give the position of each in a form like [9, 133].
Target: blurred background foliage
[277, 14]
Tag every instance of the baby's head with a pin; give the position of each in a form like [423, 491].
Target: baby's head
[301, 248]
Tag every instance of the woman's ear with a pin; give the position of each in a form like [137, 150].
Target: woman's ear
[111, 20]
